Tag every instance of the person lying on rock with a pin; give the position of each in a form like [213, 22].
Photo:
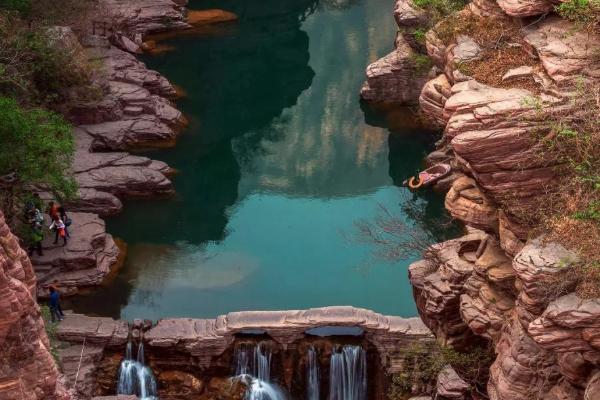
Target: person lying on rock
[55, 309]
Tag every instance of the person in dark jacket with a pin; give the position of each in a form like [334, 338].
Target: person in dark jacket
[55, 309]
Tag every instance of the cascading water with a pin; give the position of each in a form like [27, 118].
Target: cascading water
[253, 364]
[348, 374]
[312, 375]
[135, 377]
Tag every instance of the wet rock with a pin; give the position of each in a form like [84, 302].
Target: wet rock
[118, 397]
[85, 261]
[179, 383]
[28, 370]
[450, 386]
[146, 16]
[207, 17]
[394, 78]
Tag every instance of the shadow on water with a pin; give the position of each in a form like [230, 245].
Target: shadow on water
[263, 56]
[279, 157]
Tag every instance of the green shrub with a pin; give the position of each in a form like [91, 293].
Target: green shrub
[37, 149]
[33, 69]
[423, 363]
[419, 35]
[21, 6]
[422, 63]
[439, 9]
[580, 11]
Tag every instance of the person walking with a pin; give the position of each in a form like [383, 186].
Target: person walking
[55, 309]
[36, 236]
[52, 210]
[58, 226]
[67, 221]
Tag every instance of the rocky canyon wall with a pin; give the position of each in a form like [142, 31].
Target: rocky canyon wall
[27, 368]
[494, 284]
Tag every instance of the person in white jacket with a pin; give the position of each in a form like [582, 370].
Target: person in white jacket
[60, 230]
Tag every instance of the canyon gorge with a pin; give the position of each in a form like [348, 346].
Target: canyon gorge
[146, 323]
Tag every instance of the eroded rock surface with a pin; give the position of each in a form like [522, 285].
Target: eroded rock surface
[27, 369]
[87, 258]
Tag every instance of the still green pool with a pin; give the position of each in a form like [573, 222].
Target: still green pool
[279, 166]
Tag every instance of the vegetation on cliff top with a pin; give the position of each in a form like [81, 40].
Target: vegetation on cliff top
[424, 361]
[39, 73]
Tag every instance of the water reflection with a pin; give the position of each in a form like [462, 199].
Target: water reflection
[277, 161]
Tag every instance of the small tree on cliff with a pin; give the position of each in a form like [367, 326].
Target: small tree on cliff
[37, 150]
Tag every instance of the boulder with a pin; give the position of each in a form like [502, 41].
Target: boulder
[408, 15]
[146, 16]
[450, 386]
[466, 202]
[526, 8]
[394, 78]
[207, 17]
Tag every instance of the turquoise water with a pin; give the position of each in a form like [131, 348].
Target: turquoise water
[278, 165]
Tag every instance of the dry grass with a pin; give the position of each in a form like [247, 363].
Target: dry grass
[502, 48]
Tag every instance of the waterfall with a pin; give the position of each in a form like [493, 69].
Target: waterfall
[348, 374]
[253, 363]
[312, 375]
[135, 377]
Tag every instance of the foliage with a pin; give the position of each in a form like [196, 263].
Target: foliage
[438, 9]
[422, 63]
[419, 35]
[586, 13]
[37, 149]
[569, 136]
[21, 6]
[423, 362]
[51, 329]
[34, 68]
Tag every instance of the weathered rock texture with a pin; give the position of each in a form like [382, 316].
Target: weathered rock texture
[398, 77]
[497, 283]
[27, 369]
[132, 108]
[191, 357]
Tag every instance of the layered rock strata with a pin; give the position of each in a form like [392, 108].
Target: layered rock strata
[132, 108]
[27, 369]
[498, 283]
[398, 77]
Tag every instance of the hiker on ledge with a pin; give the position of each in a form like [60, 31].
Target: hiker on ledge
[55, 309]
[60, 230]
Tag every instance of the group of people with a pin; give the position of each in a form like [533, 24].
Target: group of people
[60, 223]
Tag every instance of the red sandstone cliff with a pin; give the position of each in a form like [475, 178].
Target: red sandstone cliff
[27, 369]
[493, 283]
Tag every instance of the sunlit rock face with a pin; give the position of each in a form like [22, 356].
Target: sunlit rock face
[27, 371]
[545, 348]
